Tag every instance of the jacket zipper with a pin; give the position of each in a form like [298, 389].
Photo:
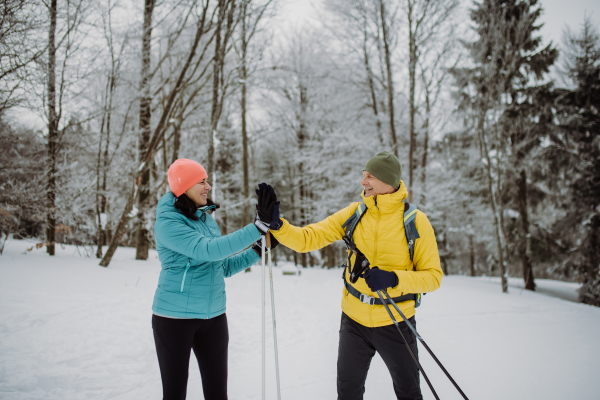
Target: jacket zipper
[184, 274]
[375, 250]
[210, 292]
[376, 236]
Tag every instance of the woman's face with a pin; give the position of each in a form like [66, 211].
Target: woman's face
[199, 193]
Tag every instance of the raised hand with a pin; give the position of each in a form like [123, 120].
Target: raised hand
[267, 209]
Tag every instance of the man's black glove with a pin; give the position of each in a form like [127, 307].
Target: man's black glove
[360, 261]
[378, 279]
[257, 248]
[267, 209]
[361, 264]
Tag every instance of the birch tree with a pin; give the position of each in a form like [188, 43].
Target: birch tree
[108, 106]
[68, 44]
[251, 15]
[426, 20]
[143, 243]
[202, 27]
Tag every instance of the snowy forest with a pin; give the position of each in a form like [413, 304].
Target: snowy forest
[497, 128]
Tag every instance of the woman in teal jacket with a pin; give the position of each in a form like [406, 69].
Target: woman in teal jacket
[189, 304]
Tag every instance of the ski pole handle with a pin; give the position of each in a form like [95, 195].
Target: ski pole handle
[268, 237]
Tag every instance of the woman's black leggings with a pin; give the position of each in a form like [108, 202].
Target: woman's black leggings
[175, 338]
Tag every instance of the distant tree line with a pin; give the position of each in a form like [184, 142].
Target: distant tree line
[497, 132]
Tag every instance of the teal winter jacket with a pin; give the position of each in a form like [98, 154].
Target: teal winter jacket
[195, 259]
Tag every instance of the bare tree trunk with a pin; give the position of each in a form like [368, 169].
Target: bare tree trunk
[243, 77]
[176, 142]
[425, 150]
[412, 66]
[444, 246]
[526, 245]
[293, 204]
[214, 114]
[471, 255]
[100, 231]
[223, 211]
[495, 210]
[143, 243]
[371, 82]
[52, 133]
[390, 88]
[302, 136]
[245, 154]
[103, 160]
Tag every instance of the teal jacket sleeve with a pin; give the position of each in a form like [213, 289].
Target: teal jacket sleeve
[171, 232]
[239, 262]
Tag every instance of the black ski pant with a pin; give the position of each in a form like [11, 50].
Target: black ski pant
[357, 347]
[174, 340]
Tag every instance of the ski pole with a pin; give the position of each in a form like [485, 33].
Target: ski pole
[262, 249]
[407, 345]
[273, 316]
[412, 328]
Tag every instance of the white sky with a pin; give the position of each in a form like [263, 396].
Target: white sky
[560, 13]
[557, 14]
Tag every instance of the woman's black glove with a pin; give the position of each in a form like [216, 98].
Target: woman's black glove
[267, 209]
[256, 246]
[378, 279]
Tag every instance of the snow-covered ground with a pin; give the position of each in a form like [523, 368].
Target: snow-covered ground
[70, 329]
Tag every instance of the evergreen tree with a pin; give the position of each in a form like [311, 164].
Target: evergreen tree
[503, 98]
[578, 110]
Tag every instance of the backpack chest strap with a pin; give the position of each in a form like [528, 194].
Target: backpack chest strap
[375, 301]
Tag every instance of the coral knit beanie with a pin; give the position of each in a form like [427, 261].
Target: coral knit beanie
[183, 174]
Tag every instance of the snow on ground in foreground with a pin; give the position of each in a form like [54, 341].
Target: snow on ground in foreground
[70, 329]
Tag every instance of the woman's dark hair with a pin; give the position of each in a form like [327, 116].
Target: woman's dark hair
[188, 208]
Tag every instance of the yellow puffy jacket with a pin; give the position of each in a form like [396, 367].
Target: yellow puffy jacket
[380, 236]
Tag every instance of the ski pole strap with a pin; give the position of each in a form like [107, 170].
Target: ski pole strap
[375, 301]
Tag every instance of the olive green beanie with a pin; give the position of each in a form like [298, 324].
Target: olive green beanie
[385, 167]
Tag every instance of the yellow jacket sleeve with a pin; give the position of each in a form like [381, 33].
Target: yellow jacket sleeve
[428, 274]
[314, 236]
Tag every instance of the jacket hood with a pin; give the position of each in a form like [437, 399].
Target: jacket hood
[387, 202]
[166, 203]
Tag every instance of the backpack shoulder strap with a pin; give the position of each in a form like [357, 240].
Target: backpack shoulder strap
[350, 224]
[410, 228]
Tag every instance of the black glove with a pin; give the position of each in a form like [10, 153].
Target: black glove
[257, 248]
[378, 279]
[267, 209]
[360, 265]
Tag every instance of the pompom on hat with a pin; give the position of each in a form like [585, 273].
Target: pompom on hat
[183, 174]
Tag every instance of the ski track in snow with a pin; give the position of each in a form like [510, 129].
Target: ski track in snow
[73, 330]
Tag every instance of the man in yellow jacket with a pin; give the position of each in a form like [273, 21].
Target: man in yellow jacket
[366, 328]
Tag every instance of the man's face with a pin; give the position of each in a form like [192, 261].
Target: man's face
[374, 186]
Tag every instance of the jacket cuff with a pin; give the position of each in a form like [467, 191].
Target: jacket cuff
[397, 281]
[254, 258]
[283, 230]
[401, 281]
